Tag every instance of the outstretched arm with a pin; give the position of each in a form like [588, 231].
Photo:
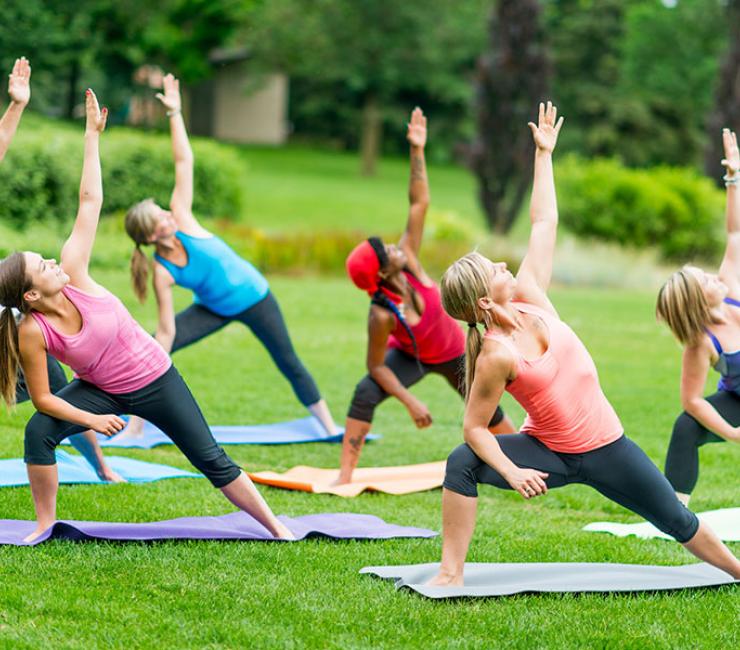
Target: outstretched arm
[181, 202]
[418, 190]
[533, 279]
[729, 270]
[78, 248]
[19, 89]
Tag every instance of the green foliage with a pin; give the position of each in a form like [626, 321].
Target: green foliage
[39, 177]
[673, 209]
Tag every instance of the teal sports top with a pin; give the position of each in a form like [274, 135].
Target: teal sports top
[221, 280]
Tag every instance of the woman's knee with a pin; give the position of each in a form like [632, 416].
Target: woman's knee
[460, 475]
[686, 429]
[366, 398]
[218, 468]
[39, 441]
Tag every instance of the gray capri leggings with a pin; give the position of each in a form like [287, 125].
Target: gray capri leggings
[368, 393]
[266, 322]
[682, 459]
[166, 402]
[620, 471]
[57, 381]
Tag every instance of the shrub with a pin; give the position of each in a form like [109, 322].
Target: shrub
[673, 209]
[39, 178]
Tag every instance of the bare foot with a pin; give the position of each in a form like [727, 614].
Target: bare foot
[283, 532]
[39, 529]
[445, 580]
[111, 477]
[134, 429]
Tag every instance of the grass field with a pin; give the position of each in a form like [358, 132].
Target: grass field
[262, 595]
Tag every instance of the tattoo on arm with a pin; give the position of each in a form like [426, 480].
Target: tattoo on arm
[418, 171]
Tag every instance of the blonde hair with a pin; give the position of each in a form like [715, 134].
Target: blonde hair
[463, 283]
[683, 306]
[14, 282]
[140, 222]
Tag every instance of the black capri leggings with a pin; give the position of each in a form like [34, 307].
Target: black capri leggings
[57, 381]
[368, 393]
[682, 459]
[267, 323]
[166, 402]
[620, 471]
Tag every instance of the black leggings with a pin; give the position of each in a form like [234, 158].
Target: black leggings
[368, 393]
[267, 323]
[166, 402]
[57, 381]
[682, 460]
[620, 471]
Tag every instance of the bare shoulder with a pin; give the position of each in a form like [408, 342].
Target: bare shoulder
[29, 333]
[700, 353]
[162, 277]
[380, 318]
[496, 360]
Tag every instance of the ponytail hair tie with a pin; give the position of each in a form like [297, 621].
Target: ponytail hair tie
[472, 324]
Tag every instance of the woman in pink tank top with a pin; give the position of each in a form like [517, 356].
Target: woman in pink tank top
[409, 334]
[571, 434]
[118, 367]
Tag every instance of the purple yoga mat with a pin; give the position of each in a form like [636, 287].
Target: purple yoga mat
[234, 526]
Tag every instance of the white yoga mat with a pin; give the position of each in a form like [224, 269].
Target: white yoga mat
[724, 522]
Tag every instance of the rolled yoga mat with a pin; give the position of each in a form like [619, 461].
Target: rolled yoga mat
[554, 577]
[281, 433]
[403, 479]
[75, 469]
[724, 522]
[234, 526]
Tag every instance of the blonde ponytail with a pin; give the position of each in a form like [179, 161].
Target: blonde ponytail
[139, 273]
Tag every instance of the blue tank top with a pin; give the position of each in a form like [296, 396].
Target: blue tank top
[728, 364]
[221, 280]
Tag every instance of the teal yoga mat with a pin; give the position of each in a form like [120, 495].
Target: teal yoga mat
[281, 433]
[75, 469]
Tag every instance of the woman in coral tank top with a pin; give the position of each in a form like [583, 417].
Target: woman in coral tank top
[409, 334]
[572, 434]
[119, 368]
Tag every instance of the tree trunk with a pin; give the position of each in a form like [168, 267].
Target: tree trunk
[72, 81]
[726, 111]
[372, 130]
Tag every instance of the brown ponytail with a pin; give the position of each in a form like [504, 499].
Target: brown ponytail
[140, 223]
[473, 345]
[13, 284]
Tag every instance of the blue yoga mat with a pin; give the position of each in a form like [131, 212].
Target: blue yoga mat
[281, 433]
[75, 469]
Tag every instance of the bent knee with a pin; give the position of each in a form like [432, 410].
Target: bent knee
[460, 474]
[686, 428]
[366, 398]
[39, 441]
[218, 468]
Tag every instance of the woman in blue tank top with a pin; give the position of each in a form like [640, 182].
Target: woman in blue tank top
[703, 311]
[226, 287]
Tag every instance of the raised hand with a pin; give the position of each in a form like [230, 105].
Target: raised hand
[171, 96]
[417, 129]
[731, 161]
[19, 82]
[545, 132]
[95, 118]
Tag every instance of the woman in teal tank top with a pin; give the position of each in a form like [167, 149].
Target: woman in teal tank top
[226, 287]
[702, 311]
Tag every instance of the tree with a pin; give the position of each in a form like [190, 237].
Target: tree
[512, 77]
[373, 52]
[726, 111]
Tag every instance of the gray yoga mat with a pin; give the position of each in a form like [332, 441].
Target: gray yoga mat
[553, 577]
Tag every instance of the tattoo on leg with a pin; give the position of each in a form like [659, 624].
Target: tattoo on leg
[356, 442]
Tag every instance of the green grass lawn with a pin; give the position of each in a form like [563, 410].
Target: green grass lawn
[235, 595]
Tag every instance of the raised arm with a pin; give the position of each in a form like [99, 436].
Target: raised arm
[19, 89]
[181, 202]
[729, 270]
[533, 279]
[78, 248]
[418, 188]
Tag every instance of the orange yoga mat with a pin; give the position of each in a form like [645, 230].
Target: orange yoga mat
[403, 479]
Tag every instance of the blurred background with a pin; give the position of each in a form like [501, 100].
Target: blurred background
[300, 110]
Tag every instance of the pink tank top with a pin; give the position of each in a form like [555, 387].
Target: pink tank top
[438, 336]
[111, 351]
[566, 408]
